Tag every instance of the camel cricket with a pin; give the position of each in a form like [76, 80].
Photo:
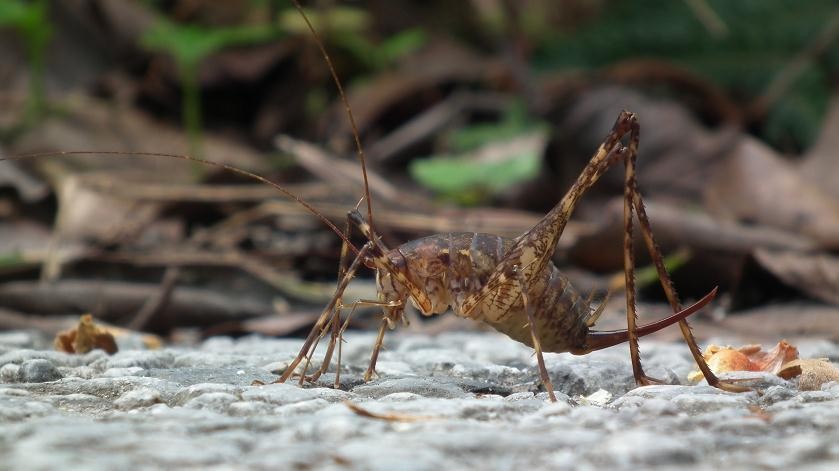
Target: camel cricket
[509, 284]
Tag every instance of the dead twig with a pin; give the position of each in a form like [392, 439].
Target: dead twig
[121, 299]
[389, 417]
[708, 17]
[157, 303]
[793, 69]
[432, 120]
[330, 168]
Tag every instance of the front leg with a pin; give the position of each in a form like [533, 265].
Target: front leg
[326, 318]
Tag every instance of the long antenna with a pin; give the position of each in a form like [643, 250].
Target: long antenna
[359, 148]
[227, 167]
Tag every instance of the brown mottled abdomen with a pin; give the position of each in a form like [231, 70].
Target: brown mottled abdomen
[452, 266]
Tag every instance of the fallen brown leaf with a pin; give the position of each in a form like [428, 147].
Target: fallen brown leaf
[812, 372]
[760, 413]
[820, 165]
[757, 185]
[85, 337]
[816, 274]
[746, 358]
[679, 153]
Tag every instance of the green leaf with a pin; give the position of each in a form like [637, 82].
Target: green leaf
[335, 20]
[513, 123]
[454, 174]
[401, 44]
[14, 12]
[189, 44]
[12, 260]
[485, 159]
[29, 18]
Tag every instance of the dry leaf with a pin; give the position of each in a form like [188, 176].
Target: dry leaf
[816, 274]
[812, 372]
[746, 358]
[85, 337]
[756, 184]
[149, 341]
[679, 153]
[820, 165]
[760, 413]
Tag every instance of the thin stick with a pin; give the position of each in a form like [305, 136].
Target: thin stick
[238, 171]
[389, 417]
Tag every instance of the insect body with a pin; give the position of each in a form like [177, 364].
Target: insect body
[452, 267]
[510, 284]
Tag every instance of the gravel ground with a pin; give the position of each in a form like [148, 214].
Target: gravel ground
[473, 399]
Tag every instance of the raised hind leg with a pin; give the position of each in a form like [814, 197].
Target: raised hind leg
[629, 272]
[633, 202]
[533, 250]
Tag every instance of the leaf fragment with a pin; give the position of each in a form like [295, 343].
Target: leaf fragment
[85, 337]
[811, 372]
[746, 358]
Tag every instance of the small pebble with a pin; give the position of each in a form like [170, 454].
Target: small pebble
[217, 401]
[38, 371]
[140, 397]
[10, 373]
[421, 386]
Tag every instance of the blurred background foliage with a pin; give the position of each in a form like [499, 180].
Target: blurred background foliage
[743, 47]
[775, 60]
[482, 103]
[740, 46]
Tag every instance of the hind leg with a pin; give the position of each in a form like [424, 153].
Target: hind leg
[634, 203]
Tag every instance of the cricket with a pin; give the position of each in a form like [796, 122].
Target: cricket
[509, 284]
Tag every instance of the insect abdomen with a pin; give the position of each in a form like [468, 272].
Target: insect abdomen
[452, 266]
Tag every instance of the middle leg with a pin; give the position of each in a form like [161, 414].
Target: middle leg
[537, 345]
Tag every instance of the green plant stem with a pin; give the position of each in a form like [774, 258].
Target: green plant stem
[37, 93]
[191, 107]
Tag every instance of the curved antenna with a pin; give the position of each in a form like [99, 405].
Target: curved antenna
[359, 148]
[311, 209]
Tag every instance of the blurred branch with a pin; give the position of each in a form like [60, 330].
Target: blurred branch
[784, 80]
[708, 17]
